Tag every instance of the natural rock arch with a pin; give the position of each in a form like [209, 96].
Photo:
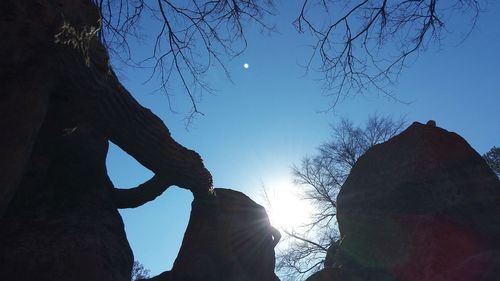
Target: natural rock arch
[60, 104]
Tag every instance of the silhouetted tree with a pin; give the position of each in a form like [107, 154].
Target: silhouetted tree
[190, 36]
[365, 44]
[139, 272]
[320, 178]
[357, 45]
[492, 157]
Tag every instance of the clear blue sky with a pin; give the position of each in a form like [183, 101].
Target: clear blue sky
[256, 128]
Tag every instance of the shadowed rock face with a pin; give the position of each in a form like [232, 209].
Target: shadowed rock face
[422, 206]
[62, 223]
[51, 57]
[228, 238]
[60, 104]
[57, 217]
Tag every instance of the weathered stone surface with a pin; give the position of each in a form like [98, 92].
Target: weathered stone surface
[62, 223]
[326, 274]
[228, 238]
[422, 206]
[50, 54]
[349, 274]
[60, 104]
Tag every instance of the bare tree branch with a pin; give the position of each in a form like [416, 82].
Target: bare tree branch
[367, 43]
[492, 158]
[363, 44]
[193, 37]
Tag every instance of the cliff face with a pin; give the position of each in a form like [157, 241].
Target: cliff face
[421, 206]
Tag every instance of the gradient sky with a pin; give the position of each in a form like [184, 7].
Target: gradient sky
[257, 127]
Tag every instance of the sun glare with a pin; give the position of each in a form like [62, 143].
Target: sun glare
[285, 208]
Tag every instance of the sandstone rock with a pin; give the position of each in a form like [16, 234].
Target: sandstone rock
[228, 238]
[422, 206]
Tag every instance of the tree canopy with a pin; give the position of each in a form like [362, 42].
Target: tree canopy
[139, 272]
[492, 157]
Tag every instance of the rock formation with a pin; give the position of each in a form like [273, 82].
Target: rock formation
[60, 104]
[228, 238]
[423, 206]
[62, 223]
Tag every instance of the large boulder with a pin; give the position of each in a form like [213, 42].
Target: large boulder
[228, 238]
[422, 206]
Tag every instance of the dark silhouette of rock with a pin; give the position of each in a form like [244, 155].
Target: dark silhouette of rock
[62, 223]
[52, 62]
[431, 123]
[228, 238]
[330, 259]
[60, 104]
[326, 274]
[350, 274]
[341, 267]
[423, 206]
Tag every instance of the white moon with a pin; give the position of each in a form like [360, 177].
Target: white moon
[246, 65]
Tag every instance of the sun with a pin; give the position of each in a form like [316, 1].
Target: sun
[286, 210]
